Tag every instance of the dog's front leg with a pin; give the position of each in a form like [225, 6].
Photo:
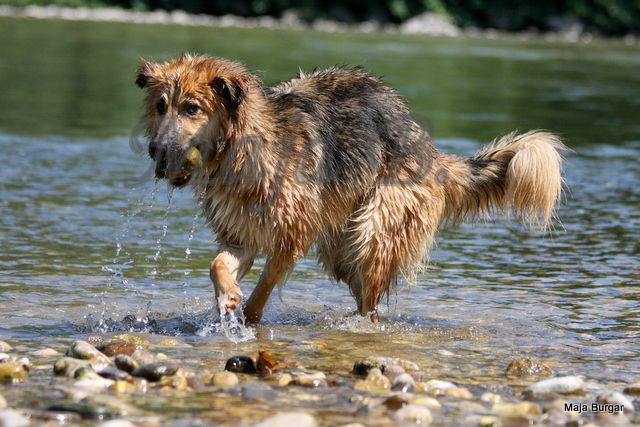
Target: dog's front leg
[274, 272]
[229, 266]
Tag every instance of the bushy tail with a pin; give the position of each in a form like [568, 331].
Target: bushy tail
[517, 172]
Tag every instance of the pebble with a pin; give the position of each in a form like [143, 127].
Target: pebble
[5, 347]
[93, 383]
[413, 413]
[155, 371]
[396, 401]
[13, 372]
[85, 351]
[3, 402]
[458, 393]
[170, 342]
[404, 383]
[258, 391]
[435, 387]
[45, 352]
[126, 363]
[552, 386]
[113, 348]
[393, 371]
[617, 398]
[178, 381]
[241, 365]
[143, 357]
[225, 379]
[362, 367]
[84, 408]
[375, 382]
[632, 389]
[13, 418]
[288, 419]
[317, 379]
[528, 367]
[427, 401]
[113, 373]
[490, 397]
[284, 380]
[522, 411]
[68, 366]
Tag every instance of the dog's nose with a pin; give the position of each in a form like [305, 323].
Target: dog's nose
[153, 149]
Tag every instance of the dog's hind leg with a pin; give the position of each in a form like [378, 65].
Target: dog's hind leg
[229, 266]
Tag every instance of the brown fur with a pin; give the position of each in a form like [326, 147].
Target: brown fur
[332, 158]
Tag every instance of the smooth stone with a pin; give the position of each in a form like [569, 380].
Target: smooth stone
[375, 382]
[362, 367]
[458, 393]
[552, 386]
[617, 398]
[143, 357]
[170, 342]
[45, 352]
[522, 411]
[94, 384]
[528, 367]
[289, 419]
[3, 402]
[133, 339]
[258, 391]
[413, 413]
[225, 379]
[395, 402]
[13, 372]
[317, 379]
[84, 351]
[284, 380]
[240, 365]
[436, 387]
[427, 401]
[114, 348]
[490, 397]
[404, 383]
[83, 408]
[5, 347]
[178, 381]
[68, 366]
[13, 418]
[113, 373]
[126, 363]
[632, 389]
[393, 371]
[155, 371]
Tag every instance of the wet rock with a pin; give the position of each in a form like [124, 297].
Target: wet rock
[13, 418]
[113, 348]
[123, 387]
[362, 367]
[413, 413]
[3, 402]
[225, 379]
[83, 408]
[427, 401]
[288, 419]
[68, 366]
[143, 357]
[13, 372]
[521, 411]
[155, 371]
[178, 381]
[554, 386]
[5, 347]
[375, 382]
[633, 389]
[126, 363]
[490, 397]
[93, 383]
[528, 367]
[618, 400]
[435, 387]
[404, 383]
[45, 352]
[393, 371]
[113, 373]
[133, 339]
[284, 380]
[396, 401]
[317, 379]
[458, 393]
[170, 342]
[84, 351]
[241, 365]
[258, 391]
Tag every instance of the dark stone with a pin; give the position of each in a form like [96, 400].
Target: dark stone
[85, 409]
[155, 371]
[258, 391]
[113, 373]
[241, 365]
[126, 363]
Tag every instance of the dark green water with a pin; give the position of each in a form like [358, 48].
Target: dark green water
[492, 291]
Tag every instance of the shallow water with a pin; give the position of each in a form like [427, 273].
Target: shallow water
[84, 253]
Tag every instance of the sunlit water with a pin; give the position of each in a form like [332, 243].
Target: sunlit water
[83, 253]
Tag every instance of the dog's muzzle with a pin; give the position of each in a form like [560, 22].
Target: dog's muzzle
[177, 167]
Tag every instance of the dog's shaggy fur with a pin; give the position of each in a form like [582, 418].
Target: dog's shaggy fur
[332, 158]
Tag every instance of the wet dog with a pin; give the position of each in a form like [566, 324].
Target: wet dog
[334, 159]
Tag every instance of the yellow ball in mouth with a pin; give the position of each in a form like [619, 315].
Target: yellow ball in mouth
[191, 160]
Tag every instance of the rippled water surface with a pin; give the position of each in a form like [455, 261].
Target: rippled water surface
[84, 251]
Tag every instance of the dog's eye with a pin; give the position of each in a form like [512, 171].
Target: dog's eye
[191, 109]
[161, 106]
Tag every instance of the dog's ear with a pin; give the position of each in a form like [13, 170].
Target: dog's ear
[232, 91]
[146, 72]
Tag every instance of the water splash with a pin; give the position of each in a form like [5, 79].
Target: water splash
[163, 234]
[233, 325]
[187, 251]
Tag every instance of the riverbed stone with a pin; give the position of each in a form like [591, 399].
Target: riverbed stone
[5, 347]
[528, 367]
[284, 380]
[155, 371]
[521, 411]
[404, 382]
[143, 357]
[317, 379]
[551, 387]
[68, 366]
[616, 398]
[363, 366]
[113, 348]
[258, 391]
[13, 372]
[633, 389]
[393, 371]
[177, 381]
[84, 351]
[225, 379]
[288, 419]
[113, 373]
[126, 363]
[427, 401]
[45, 352]
[84, 408]
[13, 418]
[412, 413]
[375, 382]
[240, 365]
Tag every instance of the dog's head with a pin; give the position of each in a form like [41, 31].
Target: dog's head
[192, 101]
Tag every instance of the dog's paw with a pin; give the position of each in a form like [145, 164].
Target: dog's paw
[229, 300]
